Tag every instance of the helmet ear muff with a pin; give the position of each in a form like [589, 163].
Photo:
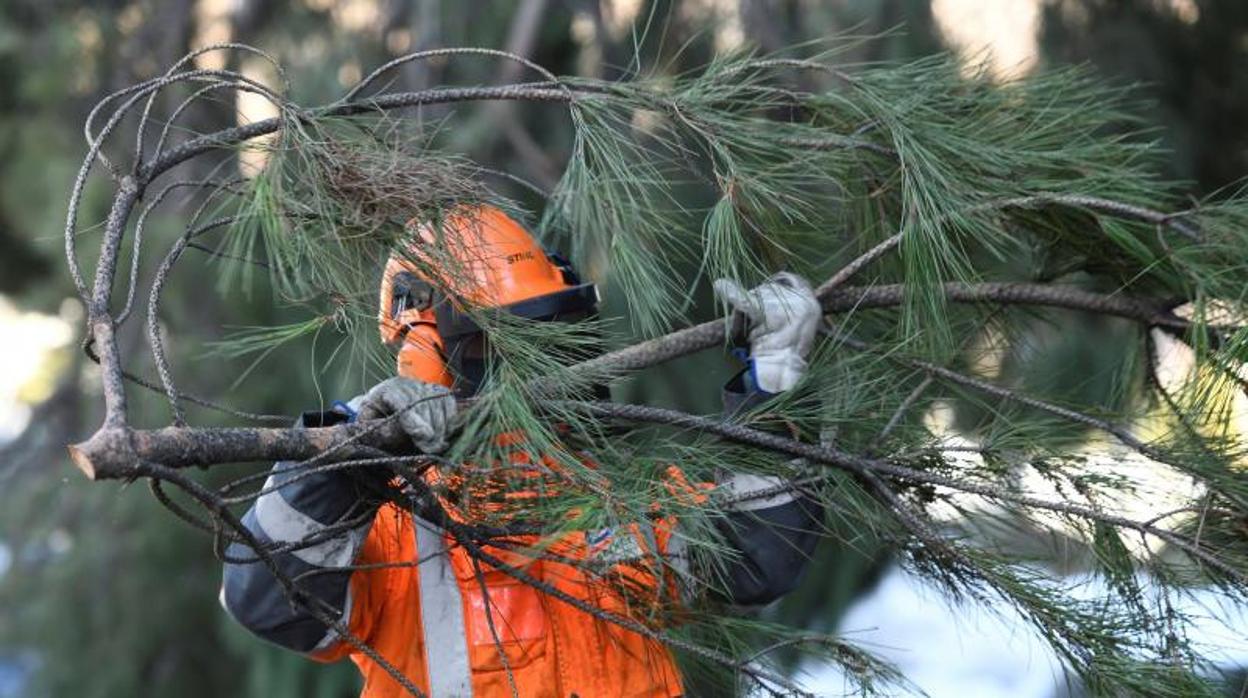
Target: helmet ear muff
[570, 277]
[409, 323]
[409, 292]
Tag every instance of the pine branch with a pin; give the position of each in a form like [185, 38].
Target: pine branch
[1117, 431]
[870, 470]
[111, 454]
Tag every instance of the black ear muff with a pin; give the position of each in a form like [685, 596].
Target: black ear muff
[409, 292]
[570, 277]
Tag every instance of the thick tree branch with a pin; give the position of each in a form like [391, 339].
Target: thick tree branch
[112, 452]
[115, 453]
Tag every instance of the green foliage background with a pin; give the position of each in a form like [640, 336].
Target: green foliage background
[109, 596]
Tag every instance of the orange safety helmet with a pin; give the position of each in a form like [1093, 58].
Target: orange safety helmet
[481, 257]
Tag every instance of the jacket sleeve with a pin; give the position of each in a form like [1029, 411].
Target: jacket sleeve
[296, 507]
[770, 535]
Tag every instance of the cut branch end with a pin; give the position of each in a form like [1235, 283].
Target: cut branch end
[109, 454]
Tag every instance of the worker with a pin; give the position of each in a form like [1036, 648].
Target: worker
[398, 582]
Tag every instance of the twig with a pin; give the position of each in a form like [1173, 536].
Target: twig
[139, 226]
[1140, 213]
[849, 270]
[904, 407]
[88, 347]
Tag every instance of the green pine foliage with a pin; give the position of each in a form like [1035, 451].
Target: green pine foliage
[1045, 180]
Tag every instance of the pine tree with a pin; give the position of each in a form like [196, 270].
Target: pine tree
[948, 222]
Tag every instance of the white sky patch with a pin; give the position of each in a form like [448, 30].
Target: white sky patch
[1003, 35]
[968, 650]
[28, 339]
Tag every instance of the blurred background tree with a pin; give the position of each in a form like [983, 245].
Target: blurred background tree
[101, 592]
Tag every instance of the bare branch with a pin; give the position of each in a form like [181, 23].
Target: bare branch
[116, 452]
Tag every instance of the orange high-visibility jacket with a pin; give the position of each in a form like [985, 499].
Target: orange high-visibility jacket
[404, 588]
[430, 621]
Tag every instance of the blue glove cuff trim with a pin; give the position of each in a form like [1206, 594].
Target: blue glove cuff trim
[750, 377]
[345, 409]
[751, 380]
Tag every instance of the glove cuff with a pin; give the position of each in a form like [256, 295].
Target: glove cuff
[777, 371]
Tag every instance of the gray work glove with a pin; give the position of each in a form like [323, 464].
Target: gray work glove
[783, 316]
[425, 409]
